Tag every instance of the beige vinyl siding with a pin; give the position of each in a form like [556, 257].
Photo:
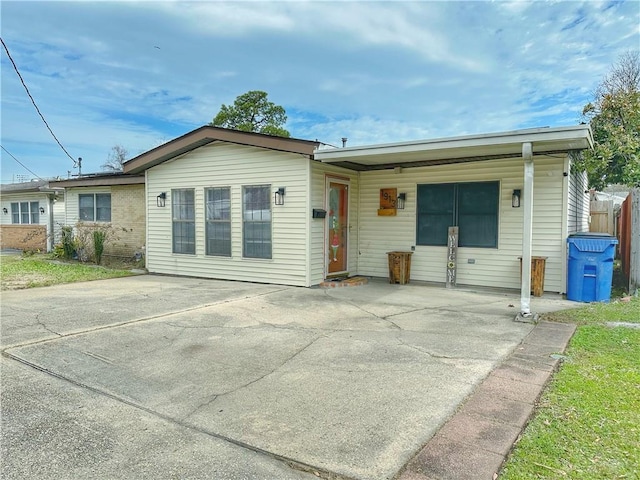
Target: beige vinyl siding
[319, 174]
[493, 267]
[228, 165]
[58, 217]
[578, 203]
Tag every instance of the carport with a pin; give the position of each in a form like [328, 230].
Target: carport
[520, 150]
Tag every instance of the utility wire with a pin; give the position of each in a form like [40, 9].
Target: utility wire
[15, 67]
[23, 165]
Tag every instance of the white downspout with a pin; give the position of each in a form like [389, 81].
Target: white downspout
[527, 234]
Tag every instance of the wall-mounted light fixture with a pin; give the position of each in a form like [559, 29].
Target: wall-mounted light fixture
[278, 196]
[400, 201]
[161, 199]
[515, 198]
[5, 211]
[41, 210]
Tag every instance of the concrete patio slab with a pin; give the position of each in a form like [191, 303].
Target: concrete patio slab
[54, 429]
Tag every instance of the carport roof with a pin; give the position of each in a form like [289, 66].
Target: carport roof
[460, 149]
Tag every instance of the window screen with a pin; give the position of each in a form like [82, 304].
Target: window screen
[184, 221]
[218, 219]
[256, 224]
[472, 207]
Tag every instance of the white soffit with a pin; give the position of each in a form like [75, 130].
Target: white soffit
[486, 145]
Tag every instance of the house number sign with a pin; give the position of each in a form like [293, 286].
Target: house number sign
[388, 198]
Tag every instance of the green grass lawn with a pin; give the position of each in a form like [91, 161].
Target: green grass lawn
[588, 422]
[19, 272]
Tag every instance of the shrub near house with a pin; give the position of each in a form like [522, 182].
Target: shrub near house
[113, 203]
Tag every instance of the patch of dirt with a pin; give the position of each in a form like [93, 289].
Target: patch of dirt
[23, 282]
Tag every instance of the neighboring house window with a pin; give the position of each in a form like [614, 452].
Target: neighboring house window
[472, 207]
[25, 212]
[184, 220]
[218, 218]
[95, 207]
[15, 212]
[256, 221]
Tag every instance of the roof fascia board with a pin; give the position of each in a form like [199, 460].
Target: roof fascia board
[21, 191]
[578, 133]
[33, 190]
[362, 167]
[208, 134]
[52, 189]
[101, 181]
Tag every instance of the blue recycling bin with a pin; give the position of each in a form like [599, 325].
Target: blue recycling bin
[590, 266]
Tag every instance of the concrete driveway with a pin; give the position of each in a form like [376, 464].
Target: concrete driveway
[163, 377]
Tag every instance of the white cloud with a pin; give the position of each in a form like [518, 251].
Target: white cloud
[221, 19]
[134, 73]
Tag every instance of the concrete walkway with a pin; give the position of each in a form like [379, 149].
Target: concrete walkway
[161, 377]
[474, 443]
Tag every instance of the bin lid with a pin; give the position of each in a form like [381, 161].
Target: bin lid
[592, 243]
[593, 235]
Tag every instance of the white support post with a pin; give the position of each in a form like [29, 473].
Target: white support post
[527, 234]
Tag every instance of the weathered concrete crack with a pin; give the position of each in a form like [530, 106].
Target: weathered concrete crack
[255, 380]
[191, 327]
[41, 323]
[426, 352]
[17, 312]
[202, 405]
[290, 462]
[136, 320]
[362, 309]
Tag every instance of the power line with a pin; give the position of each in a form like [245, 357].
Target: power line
[22, 164]
[15, 67]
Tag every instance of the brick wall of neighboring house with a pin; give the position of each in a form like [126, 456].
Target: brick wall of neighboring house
[24, 237]
[128, 220]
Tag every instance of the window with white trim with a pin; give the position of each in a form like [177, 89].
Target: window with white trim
[94, 207]
[25, 212]
[184, 220]
[218, 221]
[256, 221]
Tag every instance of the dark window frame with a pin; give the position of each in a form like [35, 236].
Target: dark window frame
[97, 211]
[472, 206]
[217, 202]
[257, 236]
[183, 221]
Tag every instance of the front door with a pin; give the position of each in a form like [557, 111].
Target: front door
[337, 226]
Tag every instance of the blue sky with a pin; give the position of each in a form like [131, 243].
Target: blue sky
[138, 74]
